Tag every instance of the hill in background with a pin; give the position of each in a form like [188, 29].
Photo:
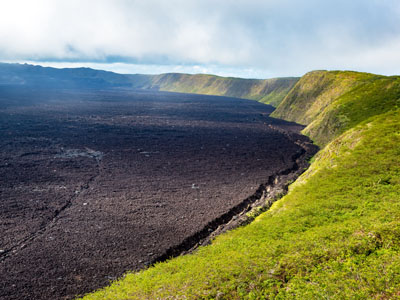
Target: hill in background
[269, 91]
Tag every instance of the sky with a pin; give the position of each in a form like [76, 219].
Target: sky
[242, 38]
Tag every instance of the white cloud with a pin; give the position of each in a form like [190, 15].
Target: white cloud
[263, 37]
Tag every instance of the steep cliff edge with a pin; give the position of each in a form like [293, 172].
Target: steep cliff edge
[331, 102]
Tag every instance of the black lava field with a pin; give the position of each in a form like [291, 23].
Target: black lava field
[94, 183]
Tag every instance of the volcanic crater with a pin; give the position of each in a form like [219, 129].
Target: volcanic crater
[95, 183]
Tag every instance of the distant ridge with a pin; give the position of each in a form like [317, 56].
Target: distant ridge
[269, 91]
[46, 77]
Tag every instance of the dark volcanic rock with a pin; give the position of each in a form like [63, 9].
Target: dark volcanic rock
[97, 183]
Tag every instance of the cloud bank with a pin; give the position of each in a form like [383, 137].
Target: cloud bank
[262, 38]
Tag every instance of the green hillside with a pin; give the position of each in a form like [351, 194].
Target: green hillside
[329, 103]
[335, 235]
[269, 91]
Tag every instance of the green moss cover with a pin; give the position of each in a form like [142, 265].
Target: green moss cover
[268, 91]
[335, 235]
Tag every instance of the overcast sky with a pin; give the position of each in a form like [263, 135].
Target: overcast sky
[247, 38]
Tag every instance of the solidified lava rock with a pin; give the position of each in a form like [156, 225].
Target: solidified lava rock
[97, 183]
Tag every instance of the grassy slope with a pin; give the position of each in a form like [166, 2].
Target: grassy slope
[269, 91]
[329, 103]
[336, 235]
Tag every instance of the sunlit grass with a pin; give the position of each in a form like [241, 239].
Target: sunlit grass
[334, 236]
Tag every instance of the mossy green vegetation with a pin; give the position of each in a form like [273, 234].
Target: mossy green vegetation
[268, 91]
[330, 103]
[335, 235]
